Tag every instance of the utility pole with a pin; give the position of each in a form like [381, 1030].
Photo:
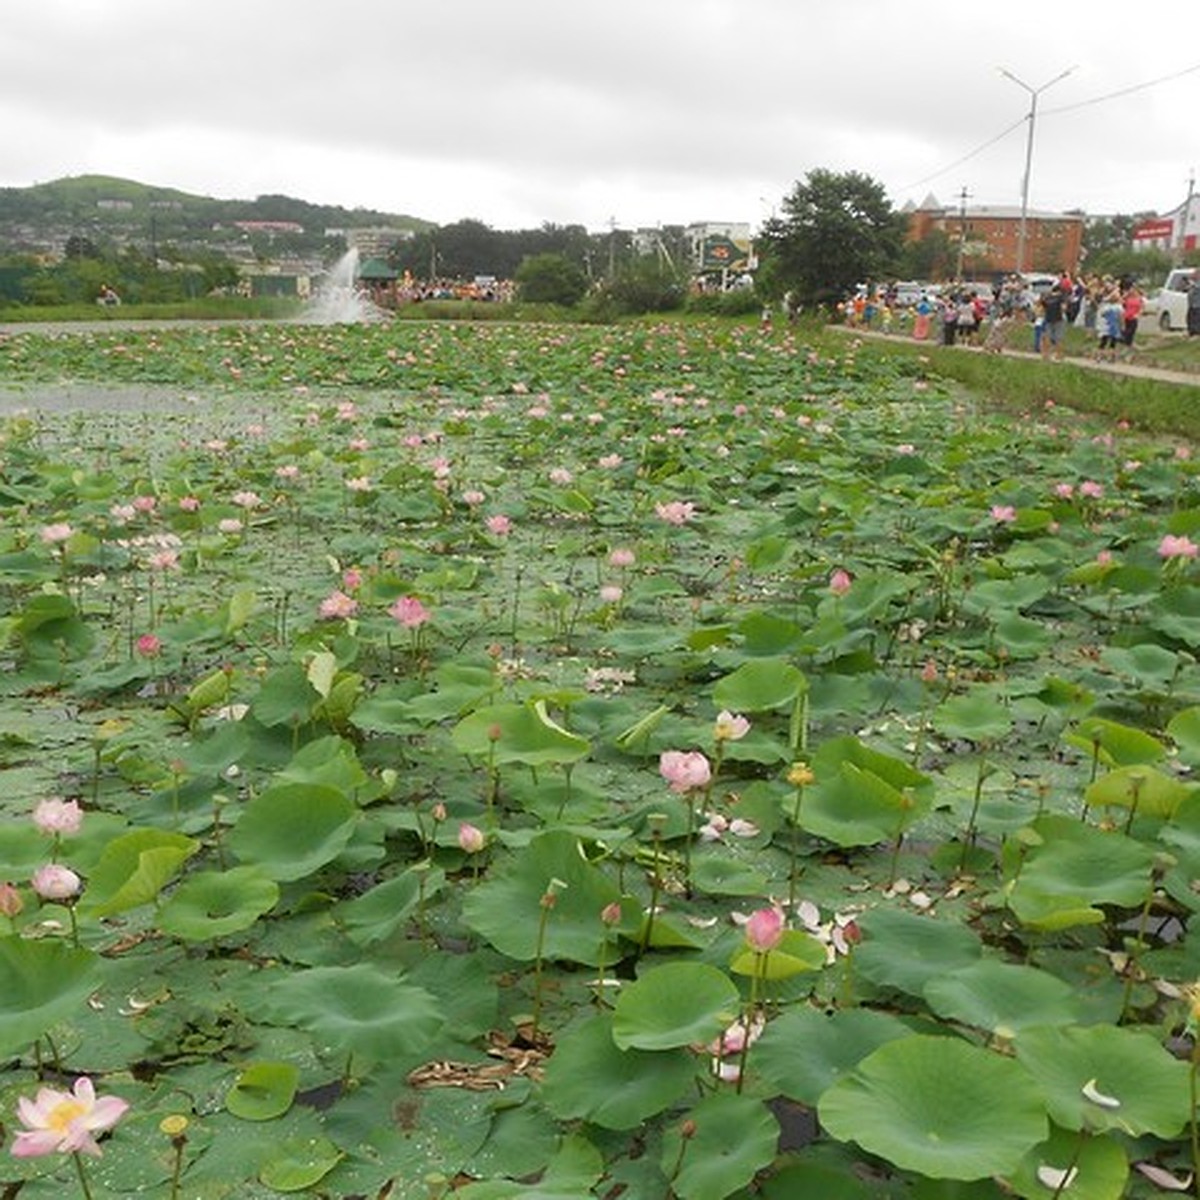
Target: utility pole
[1034, 93]
[962, 231]
[1181, 228]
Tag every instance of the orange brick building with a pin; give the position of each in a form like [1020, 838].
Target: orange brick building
[987, 237]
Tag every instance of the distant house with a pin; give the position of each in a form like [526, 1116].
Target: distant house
[1178, 229]
[375, 241]
[987, 236]
[269, 226]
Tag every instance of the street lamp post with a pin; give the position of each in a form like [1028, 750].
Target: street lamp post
[1034, 93]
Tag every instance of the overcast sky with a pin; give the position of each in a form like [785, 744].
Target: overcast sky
[578, 111]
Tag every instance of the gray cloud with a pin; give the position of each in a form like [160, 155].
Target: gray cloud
[516, 111]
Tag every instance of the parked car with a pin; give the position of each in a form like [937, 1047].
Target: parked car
[1168, 306]
[910, 291]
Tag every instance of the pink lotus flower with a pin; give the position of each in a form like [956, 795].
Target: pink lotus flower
[473, 497]
[149, 645]
[287, 471]
[56, 533]
[499, 525]
[337, 606]
[609, 462]
[11, 904]
[410, 612]
[56, 882]
[560, 476]
[352, 579]
[840, 582]
[145, 504]
[684, 771]
[189, 504]
[229, 525]
[471, 838]
[1005, 514]
[64, 1122]
[764, 930]
[675, 512]
[1064, 491]
[1177, 547]
[611, 593]
[1091, 489]
[164, 560]
[622, 558]
[730, 727]
[58, 817]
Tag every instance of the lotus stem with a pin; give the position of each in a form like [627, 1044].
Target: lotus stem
[1193, 1128]
[79, 1171]
[548, 901]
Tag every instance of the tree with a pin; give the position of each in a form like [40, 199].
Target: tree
[550, 279]
[837, 230]
[931, 257]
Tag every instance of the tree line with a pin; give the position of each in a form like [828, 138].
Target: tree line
[832, 231]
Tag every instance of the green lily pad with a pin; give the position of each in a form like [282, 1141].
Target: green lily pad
[1002, 998]
[263, 1091]
[905, 951]
[674, 1005]
[759, 685]
[378, 913]
[1141, 1087]
[134, 869]
[1117, 745]
[977, 716]
[1143, 789]
[805, 1051]
[1074, 869]
[1100, 1165]
[938, 1106]
[41, 983]
[506, 909]
[292, 830]
[299, 1164]
[590, 1078]
[518, 733]
[361, 1009]
[213, 904]
[732, 1138]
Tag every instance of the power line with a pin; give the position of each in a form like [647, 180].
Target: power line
[967, 157]
[1126, 91]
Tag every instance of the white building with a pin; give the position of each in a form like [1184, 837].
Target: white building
[1176, 230]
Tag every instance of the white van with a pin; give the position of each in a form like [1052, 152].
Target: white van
[1168, 306]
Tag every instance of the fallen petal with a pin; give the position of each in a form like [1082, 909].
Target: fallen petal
[1164, 1179]
[1056, 1179]
[1092, 1093]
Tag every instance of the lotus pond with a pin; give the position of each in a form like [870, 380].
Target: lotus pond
[538, 762]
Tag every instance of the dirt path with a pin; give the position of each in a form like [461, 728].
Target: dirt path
[1133, 369]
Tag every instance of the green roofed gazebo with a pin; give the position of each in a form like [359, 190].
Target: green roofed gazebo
[376, 270]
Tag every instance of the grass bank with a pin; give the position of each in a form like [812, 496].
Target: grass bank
[1146, 403]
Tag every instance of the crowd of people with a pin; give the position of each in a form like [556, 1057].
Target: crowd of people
[980, 315]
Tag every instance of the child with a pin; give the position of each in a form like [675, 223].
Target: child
[1109, 325]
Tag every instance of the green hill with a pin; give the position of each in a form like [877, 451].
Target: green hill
[103, 207]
